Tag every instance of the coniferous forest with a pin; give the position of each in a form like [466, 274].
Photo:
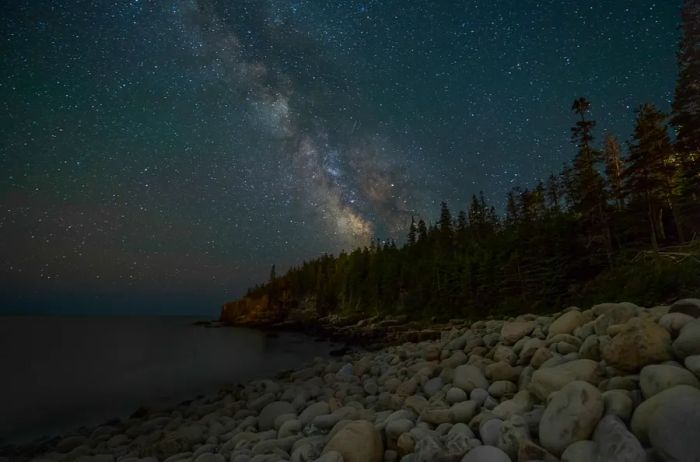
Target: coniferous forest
[619, 222]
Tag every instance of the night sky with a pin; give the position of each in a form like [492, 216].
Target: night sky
[160, 156]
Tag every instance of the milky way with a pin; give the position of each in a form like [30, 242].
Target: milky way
[163, 155]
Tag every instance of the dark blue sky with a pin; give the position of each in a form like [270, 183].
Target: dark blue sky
[162, 155]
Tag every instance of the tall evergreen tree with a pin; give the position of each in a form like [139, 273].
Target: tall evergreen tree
[412, 232]
[614, 169]
[587, 184]
[649, 173]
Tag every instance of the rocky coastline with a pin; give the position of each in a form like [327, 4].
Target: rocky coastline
[612, 382]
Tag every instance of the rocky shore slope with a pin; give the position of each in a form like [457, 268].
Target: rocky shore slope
[615, 382]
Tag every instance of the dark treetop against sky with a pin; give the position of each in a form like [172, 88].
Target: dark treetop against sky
[161, 155]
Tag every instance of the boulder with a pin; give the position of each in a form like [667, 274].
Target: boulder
[678, 396]
[640, 342]
[357, 441]
[266, 420]
[571, 415]
[692, 363]
[674, 322]
[566, 323]
[549, 379]
[673, 431]
[619, 404]
[486, 454]
[580, 451]
[689, 306]
[511, 332]
[610, 314]
[656, 378]
[468, 378]
[614, 443]
[688, 341]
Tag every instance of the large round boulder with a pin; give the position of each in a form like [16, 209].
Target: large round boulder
[550, 379]
[468, 377]
[566, 323]
[673, 431]
[266, 420]
[639, 342]
[571, 415]
[656, 378]
[644, 413]
[357, 441]
[688, 341]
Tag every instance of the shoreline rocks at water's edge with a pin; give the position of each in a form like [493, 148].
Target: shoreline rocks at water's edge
[615, 382]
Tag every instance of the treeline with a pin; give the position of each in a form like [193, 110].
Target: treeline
[579, 233]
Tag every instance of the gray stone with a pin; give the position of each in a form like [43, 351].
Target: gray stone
[656, 378]
[468, 378]
[643, 415]
[549, 379]
[673, 430]
[580, 451]
[486, 454]
[357, 441]
[270, 412]
[615, 443]
[688, 341]
[571, 415]
[689, 306]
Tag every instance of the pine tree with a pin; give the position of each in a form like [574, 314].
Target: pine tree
[445, 222]
[412, 232]
[422, 230]
[614, 169]
[649, 173]
[273, 274]
[588, 187]
[553, 193]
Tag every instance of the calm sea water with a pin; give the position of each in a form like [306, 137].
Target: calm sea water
[62, 372]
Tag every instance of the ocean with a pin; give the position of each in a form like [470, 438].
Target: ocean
[59, 373]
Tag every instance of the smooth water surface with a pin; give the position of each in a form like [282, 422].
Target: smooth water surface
[62, 372]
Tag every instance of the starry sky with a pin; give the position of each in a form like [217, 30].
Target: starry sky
[160, 156]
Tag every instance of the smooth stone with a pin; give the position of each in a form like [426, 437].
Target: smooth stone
[514, 432]
[511, 332]
[468, 378]
[581, 451]
[688, 341]
[457, 441]
[357, 441]
[313, 410]
[208, 457]
[432, 386]
[615, 443]
[566, 323]
[289, 428]
[463, 411]
[331, 456]
[550, 379]
[486, 454]
[428, 448]
[394, 428]
[490, 431]
[644, 413]
[673, 432]
[455, 395]
[689, 306]
[501, 388]
[692, 363]
[674, 322]
[571, 415]
[656, 378]
[640, 342]
[270, 412]
[618, 403]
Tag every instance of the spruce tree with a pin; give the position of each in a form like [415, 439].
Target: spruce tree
[614, 169]
[650, 171]
[412, 232]
[686, 104]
